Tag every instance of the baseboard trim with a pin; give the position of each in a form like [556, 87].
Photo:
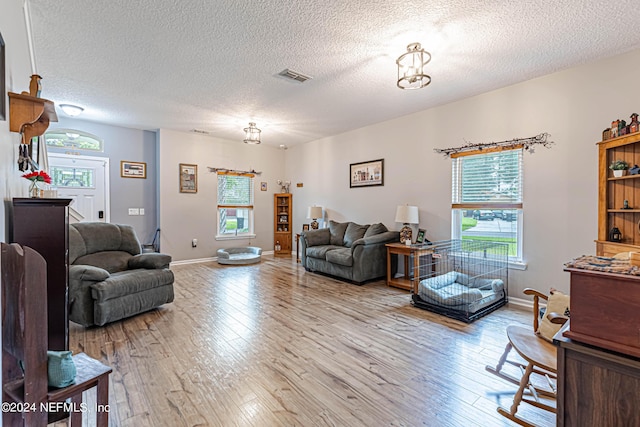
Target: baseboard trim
[192, 261]
[519, 302]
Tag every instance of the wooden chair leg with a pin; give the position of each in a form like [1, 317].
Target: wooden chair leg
[75, 418]
[517, 399]
[102, 398]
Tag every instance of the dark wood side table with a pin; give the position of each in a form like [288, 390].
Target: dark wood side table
[407, 282]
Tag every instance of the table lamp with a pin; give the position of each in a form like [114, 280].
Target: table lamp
[407, 215]
[314, 213]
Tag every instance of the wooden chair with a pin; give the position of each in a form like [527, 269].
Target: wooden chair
[540, 359]
[24, 340]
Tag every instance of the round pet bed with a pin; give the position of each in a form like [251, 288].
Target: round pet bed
[239, 256]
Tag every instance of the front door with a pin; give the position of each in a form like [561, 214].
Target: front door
[85, 180]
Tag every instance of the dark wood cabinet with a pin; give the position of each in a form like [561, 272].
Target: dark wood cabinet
[596, 387]
[43, 224]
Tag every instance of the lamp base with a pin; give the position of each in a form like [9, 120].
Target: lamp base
[405, 234]
[314, 224]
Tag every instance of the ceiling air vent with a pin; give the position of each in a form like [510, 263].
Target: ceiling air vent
[294, 75]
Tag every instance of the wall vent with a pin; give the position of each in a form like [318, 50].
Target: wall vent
[294, 75]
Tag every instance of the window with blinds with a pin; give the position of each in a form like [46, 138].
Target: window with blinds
[487, 198]
[235, 205]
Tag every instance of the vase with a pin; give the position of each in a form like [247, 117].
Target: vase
[618, 172]
[34, 191]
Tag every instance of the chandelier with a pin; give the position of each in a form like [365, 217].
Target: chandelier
[252, 134]
[411, 67]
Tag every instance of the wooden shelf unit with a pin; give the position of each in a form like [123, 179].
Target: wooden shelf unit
[282, 210]
[30, 115]
[612, 192]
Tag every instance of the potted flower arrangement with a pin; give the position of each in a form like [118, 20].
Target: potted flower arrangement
[35, 178]
[618, 167]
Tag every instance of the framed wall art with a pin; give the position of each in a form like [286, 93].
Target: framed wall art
[263, 186]
[133, 169]
[366, 174]
[305, 227]
[188, 178]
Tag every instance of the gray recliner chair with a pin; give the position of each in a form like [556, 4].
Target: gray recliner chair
[109, 276]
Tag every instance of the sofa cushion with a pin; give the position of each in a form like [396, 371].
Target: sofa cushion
[354, 232]
[337, 230]
[321, 251]
[341, 256]
[375, 229]
[112, 261]
[317, 237]
[130, 282]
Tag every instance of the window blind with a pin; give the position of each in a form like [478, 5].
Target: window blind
[235, 190]
[488, 180]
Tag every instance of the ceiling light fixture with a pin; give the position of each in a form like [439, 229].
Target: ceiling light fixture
[71, 110]
[252, 134]
[411, 67]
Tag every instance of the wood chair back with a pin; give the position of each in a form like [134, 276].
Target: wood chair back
[24, 333]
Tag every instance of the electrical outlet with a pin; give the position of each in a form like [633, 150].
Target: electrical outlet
[194, 243]
[134, 211]
[141, 211]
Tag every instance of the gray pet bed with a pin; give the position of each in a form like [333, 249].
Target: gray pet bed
[239, 256]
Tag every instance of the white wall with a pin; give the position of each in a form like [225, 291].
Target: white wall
[185, 216]
[560, 184]
[17, 76]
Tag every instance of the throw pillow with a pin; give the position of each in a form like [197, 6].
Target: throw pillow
[354, 232]
[337, 230]
[61, 369]
[317, 237]
[558, 303]
[375, 229]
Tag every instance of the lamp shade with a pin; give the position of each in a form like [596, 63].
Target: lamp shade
[407, 214]
[314, 212]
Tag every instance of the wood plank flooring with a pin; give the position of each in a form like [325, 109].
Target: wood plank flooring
[272, 345]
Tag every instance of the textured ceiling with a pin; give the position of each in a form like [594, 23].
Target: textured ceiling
[213, 65]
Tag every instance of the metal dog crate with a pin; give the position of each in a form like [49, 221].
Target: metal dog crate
[463, 279]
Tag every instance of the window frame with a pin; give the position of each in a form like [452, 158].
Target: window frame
[250, 207]
[458, 206]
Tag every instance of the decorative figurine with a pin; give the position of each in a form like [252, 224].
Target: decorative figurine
[606, 134]
[625, 204]
[635, 170]
[614, 128]
[35, 86]
[622, 127]
[634, 126]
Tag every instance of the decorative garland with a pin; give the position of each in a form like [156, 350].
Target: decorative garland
[527, 143]
[232, 171]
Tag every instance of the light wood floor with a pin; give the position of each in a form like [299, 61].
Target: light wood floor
[273, 345]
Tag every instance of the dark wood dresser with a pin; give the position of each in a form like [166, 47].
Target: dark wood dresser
[43, 224]
[598, 352]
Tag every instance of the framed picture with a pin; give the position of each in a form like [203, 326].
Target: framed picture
[366, 174]
[263, 186]
[3, 91]
[188, 178]
[305, 227]
[420, 237]
[133, 169]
